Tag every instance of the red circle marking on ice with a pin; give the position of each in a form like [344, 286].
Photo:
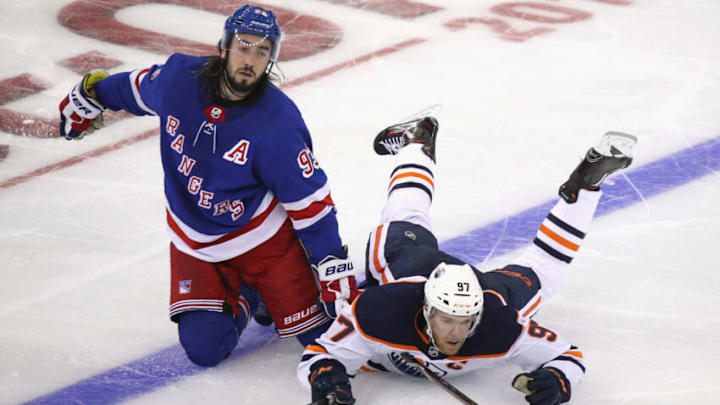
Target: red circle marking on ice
[304, 35]
[561, 14]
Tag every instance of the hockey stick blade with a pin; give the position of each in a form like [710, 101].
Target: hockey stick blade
[439, 380]
[330, 400]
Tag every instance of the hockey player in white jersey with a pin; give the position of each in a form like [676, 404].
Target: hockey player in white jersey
[445, 313]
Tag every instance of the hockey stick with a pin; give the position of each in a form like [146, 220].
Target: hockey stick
[330, 400]
[439, 380]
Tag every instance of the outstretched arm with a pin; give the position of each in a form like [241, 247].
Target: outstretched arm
[341, 351]
[289, 169]
[554, 365]
[136, 92]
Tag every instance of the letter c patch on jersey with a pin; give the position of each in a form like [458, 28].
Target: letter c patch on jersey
[238, 154]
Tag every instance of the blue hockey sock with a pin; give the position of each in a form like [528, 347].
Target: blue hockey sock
[308, 338]
[207, 337]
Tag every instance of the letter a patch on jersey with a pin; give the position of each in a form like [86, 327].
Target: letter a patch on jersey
[238, 154]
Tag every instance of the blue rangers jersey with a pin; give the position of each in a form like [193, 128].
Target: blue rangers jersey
[234, 172]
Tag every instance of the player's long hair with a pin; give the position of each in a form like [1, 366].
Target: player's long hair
[213, 74]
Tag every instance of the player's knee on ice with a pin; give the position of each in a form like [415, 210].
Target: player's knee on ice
[207, 337]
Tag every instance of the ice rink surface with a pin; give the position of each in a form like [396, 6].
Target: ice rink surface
[525, 89]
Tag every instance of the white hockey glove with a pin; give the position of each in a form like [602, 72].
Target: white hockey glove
[80, 111]
[338, 287]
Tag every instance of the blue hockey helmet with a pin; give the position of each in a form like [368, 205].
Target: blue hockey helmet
[256, 21]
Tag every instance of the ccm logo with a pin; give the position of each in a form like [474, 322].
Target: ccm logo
[339, 268]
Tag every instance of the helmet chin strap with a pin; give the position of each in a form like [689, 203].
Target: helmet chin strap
[433, 350]
[269, 67]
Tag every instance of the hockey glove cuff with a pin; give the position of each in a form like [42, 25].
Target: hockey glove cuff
[80, 111]
[338, 287]
[329, 381]
[544, 386]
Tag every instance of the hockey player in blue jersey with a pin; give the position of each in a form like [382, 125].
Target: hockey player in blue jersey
[248, 206]
[445, 313]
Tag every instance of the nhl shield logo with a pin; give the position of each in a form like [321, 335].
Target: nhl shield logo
[185, 286]
[215, 113]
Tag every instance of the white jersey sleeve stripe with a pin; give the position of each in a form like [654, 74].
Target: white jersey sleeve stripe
[532, 307]
[308, 222]
[136, 77]
[321, 194]
[571, 363]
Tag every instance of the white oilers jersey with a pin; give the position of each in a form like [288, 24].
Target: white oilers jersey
[387, 320]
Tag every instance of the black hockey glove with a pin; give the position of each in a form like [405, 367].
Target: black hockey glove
[544, 386]
[330, 383]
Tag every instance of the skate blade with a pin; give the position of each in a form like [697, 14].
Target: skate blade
[409, 122]
[431, 111]
[620, 140]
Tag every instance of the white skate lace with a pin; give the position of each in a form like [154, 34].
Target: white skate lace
[393, 144]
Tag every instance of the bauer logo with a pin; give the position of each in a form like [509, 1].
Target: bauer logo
[185, 286]
[340, 268]
[302, 315]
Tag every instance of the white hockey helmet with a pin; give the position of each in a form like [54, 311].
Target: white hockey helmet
[455, 290]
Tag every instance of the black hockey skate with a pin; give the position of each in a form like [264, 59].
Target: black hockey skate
[423, 131]
[613, 153]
